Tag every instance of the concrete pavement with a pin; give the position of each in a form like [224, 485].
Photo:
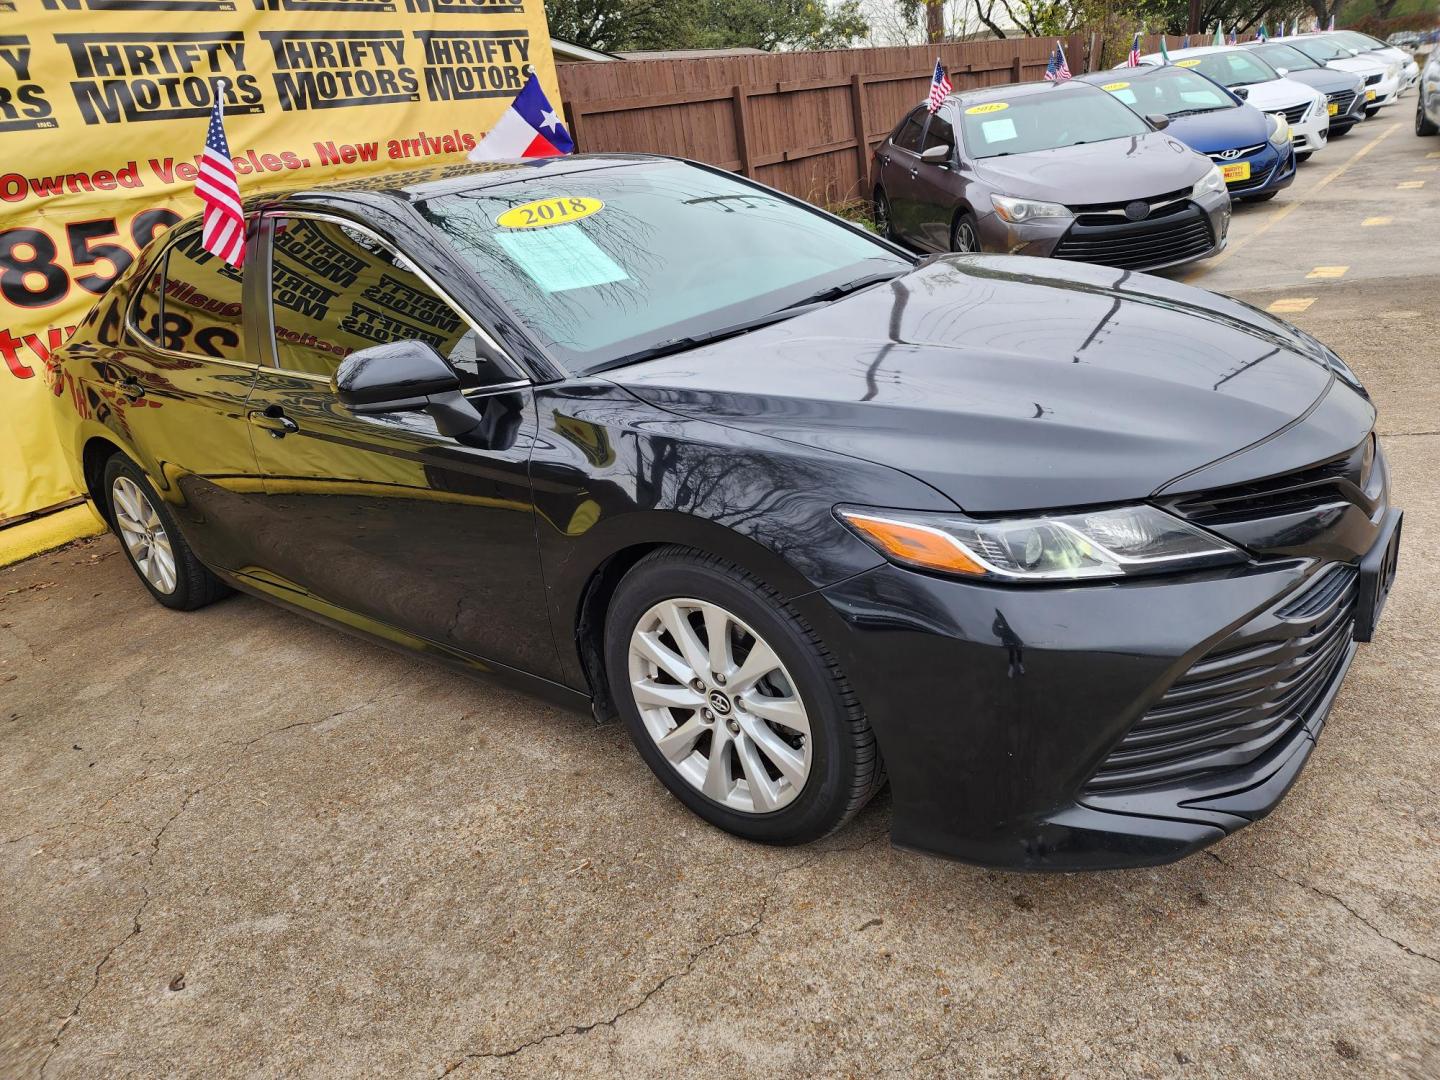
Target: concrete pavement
[239, 844]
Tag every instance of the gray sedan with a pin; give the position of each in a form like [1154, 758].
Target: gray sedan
[1061, 170]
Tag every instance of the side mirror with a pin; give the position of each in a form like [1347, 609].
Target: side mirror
[406, 376]
[1159, 121]
[936, 155]
[1282, 72]
[1242, 92]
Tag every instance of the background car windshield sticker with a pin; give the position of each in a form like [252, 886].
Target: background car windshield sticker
[543, 212]
[988, 107]
[1187, 63]
[560, 258]
[995, 131]
[1121, 91]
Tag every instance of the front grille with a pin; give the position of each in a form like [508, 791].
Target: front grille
[1342, 479]
[1373, 80]
[1179, 231]
[1219, 157]
[1244, 696]
[1342, 101]
[1296, 112]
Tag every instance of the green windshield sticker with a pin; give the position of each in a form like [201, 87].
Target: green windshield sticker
[998, 130]
[560, 258]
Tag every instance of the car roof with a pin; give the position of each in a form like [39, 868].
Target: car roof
[427, 182]
[1010, 91]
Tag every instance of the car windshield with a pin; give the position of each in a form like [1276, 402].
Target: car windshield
[1358, 41]
[1322, 49]
[1233, 68]
[608, 263]
[1283, 56]
[1172, 91]
[1044, 121]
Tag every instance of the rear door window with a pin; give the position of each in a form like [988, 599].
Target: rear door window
[192, 303]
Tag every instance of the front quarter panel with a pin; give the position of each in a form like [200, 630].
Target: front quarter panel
[612, 473]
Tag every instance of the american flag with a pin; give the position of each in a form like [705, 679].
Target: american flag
[1133, 60]
[939, 87]
[1057, 70]
[219, 189]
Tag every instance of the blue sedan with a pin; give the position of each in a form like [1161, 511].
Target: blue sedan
[1252, 148]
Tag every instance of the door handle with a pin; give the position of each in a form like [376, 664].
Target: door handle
[914, 172]
[130, 388]
[274, 420]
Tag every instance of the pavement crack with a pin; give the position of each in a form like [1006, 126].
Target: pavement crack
[1406, 434]
[750, 930]
[1336, 898]
[95, 980]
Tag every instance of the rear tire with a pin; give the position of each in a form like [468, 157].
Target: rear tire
[728, 749]
[1423, 124]
[153, 543]
[884, 217]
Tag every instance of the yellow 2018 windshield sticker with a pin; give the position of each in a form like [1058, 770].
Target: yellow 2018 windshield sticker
[556, 211]
[1186, 63]
[1113, 86]
[991, 106]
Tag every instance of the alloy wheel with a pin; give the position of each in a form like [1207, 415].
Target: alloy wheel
[720, 705]
[143, 534]
[882, 214]
[965, 238]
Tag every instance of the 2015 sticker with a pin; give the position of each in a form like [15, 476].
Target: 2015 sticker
[1186, 63]
[988, 107]
[557, 211]
[1113, 86]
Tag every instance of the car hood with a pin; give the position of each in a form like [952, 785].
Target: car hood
[1222, 129]
[1116, 170]
[1326, 80]
[1009, 383]
[1278, 94]
[1359, 66]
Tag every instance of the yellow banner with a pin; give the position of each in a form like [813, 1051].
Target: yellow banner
[103, 111]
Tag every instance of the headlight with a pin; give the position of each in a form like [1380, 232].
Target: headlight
[1017, 210]
[1279, 129]
[1121, 542]
[1214, 180]
[1393, 71]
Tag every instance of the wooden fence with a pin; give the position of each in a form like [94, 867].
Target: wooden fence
[802, 122]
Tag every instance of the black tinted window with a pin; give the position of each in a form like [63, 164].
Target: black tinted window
[335, 290]
[940, 133]
[201, 312]
[908, 137]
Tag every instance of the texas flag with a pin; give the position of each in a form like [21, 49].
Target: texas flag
[529, 128]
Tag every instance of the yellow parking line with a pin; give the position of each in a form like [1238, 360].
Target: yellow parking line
[1326, 272]
[1433, 153]
[1285, 211]
[1290, 306]
[1377, 221]
[1427, 168]
[1410, 185]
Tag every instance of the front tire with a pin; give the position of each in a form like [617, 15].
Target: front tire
[1261, 198]
[735, 703]
[1423, 124]
[965, 233]
[152, 541]
[1302, 156]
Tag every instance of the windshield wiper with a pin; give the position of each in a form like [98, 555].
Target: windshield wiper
[835, 292]
[1197, 112]
[692, 341]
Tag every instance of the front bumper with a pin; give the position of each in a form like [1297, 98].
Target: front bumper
[1271, 168]
[1001, 711]
[1048, 237]
[1311, 132]
[1386, 92]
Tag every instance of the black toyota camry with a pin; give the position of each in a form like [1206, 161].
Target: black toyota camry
[1075, 558]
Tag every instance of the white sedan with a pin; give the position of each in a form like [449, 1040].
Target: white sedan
[1384, 79]
[1251, 78]
[1387, 54]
